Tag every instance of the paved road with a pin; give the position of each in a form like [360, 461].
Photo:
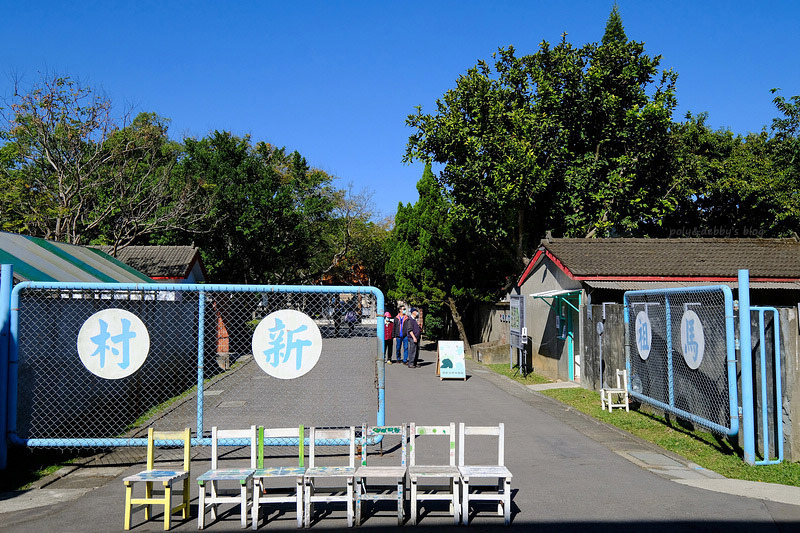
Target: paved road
[570, 471]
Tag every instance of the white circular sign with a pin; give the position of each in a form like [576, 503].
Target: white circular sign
[287, 344]
[113, 343]
[693, 340]
[644, 335]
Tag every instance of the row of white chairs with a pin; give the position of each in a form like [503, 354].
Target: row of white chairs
[344, 482]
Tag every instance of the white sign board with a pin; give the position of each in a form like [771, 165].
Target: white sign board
[113, 343]
[287, 344]
[693, 340]
[451, 360]
[644, 335]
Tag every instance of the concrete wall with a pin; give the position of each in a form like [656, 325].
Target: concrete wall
[547, 353]
[490, 323]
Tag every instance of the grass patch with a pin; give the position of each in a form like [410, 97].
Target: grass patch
[514, 373]
[710, 451]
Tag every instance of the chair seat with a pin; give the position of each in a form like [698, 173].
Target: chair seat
[330, 471]
[381, 471]
[433, 471]
[157, 475]
[227, 474]
[485, 471]
[279, 471]
[614, 391]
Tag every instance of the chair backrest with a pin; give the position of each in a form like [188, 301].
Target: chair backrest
[496, 431]
[153, 436]
[221, 434]
[282, 433]
[623, 374]
[330, 437]
[368, 432]
[448, 432]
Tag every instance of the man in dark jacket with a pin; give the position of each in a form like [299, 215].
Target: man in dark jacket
[400, 334]
[414, 333]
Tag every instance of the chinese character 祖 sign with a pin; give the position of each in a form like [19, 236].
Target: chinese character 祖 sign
[287, 344]
[113, 343]
[644, 335]
[693, 340]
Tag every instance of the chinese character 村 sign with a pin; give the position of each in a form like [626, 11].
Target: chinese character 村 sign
[113, 343]
[287, 344]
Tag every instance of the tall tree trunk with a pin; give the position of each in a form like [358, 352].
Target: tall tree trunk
[460, 325]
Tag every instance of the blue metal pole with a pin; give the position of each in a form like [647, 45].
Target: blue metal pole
[379, 310]
[670, 377]
[730, 349]
[201, 316]
[6, 282]
[778, 390]
[746, 355]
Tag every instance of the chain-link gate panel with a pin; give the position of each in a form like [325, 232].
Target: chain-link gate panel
[93, 365]
[681, 357]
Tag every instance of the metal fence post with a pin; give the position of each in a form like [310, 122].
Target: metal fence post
[201, 317]
[746, 355]
[6, 282]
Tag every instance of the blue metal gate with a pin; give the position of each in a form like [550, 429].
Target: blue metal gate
[305, 354]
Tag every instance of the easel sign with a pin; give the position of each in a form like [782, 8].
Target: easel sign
[450, 360]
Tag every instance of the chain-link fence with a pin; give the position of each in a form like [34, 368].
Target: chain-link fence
[93, 365]
[681, 357]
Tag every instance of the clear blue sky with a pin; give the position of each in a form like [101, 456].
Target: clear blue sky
[335, 80]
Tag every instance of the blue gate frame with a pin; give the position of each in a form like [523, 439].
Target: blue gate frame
[8, 398]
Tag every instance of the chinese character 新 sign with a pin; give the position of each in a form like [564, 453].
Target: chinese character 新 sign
[693, 340]
[287, 344]
[113, 343]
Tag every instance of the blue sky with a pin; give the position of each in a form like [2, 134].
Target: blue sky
[335, 80]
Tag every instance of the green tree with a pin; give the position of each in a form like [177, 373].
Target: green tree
[575, 140]
[267, 210]
[73, 172]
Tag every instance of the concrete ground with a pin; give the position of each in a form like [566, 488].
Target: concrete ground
[571, 472]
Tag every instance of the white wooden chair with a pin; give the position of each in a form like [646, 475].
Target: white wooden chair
[365, 473]
[620, 391]
[341, 473]
[501, 493]
[418, 473]
[282, 472]
[166, 477]
[212, 478]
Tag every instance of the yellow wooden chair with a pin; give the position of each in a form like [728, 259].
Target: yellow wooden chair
[166, 477]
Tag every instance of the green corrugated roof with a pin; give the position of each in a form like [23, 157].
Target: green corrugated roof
[36, 259]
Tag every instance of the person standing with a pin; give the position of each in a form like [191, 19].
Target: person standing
[388, 337]
[400, 335]
[414, 334]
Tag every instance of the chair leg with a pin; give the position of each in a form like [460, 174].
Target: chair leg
[148, 493]
[307, 502]
[413, 515]
[128, 495]
[350, 502]
[359, 492]
[243, 505]
[456, 486]
[464, 500]
[507, 502]
[300, 502]
[400, 497]
[254, 508]
[201, 508]
[186, 498]
[167, 505]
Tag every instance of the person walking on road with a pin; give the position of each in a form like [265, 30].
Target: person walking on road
[400, 335]
[414, 334]
[388, 340]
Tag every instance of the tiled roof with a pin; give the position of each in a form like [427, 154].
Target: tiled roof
[158, 261]
[36, 259]
[689, 258]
